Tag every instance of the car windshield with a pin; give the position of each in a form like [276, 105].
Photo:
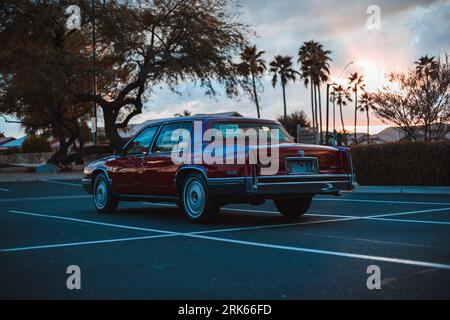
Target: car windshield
[271, 130]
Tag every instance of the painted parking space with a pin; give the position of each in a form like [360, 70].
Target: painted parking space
[145, 250]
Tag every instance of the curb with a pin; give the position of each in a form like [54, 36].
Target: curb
[437, 190]
[432, 190]
[39, 177]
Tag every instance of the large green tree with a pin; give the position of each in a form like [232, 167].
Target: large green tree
[140, 44]
[418, 101]
[39, 62]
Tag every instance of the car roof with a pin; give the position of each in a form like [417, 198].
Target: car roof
[209, 119]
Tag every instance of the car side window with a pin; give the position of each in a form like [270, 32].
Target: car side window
[165, 141]
[141, 142]
[189, 127]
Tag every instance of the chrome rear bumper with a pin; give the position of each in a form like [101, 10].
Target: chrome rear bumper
[301, 184]
[282, 185]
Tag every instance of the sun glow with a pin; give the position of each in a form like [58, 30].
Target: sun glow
[374, 76]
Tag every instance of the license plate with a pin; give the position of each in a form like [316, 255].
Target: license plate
[302, 166]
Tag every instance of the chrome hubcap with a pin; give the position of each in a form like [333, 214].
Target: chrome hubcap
[100, 194]
[194, 196]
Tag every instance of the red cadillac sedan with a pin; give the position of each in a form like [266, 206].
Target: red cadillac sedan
[204, 162]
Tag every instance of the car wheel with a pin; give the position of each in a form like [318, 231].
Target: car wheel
[104, 200]
[293, 207]
[198, 204]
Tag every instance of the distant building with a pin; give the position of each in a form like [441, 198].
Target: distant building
[390, 134]
[4, 140]
[13, 144]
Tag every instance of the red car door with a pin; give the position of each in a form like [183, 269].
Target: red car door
[158, 167]
[126, 169]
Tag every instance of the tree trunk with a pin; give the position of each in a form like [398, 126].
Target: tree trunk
[284, 101]
[368, 137]
[316, 115]
[312, 105]
[356, 116]
[327, 114]
[111, 129]
[256, 96]
[334, 115]
[342, 117]
[320, 114]
[60, 157]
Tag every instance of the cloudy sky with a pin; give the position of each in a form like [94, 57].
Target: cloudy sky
[408, 30]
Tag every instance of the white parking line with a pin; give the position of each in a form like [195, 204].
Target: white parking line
[413, 221]
[45, 198]
[407, 212]
[251, 210]
[327, 252]
[61, 182]
[379, 217]
[72, 244]
[199, 235]
[276, 212]
[383, 201]
[90, 222]
[271, 226]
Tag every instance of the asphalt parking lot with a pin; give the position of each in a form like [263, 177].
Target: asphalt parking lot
[151, 251]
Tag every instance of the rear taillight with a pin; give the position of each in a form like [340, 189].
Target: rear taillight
[346, 162]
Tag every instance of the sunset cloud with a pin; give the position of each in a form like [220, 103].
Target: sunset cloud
[408, 30]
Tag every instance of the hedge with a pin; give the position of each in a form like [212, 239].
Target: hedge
[403, 163]
[35, 144]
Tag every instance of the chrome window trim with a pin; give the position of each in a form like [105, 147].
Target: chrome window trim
[162, 124]
[137, 134]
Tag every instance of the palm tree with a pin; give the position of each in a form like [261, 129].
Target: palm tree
[427, 67]
[366, 104]
[253, 66]
[281, 67]
[305, 59]
[356, 82]
[185, 113]
[342, 96]
[315, 68]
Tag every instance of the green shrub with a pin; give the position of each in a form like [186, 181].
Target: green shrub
[403, 163]
[36, 144]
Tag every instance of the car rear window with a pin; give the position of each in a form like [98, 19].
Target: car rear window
[271, 130]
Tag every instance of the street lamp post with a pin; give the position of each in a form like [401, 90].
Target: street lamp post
[328, 108]
[94, 89]
[328, 99]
